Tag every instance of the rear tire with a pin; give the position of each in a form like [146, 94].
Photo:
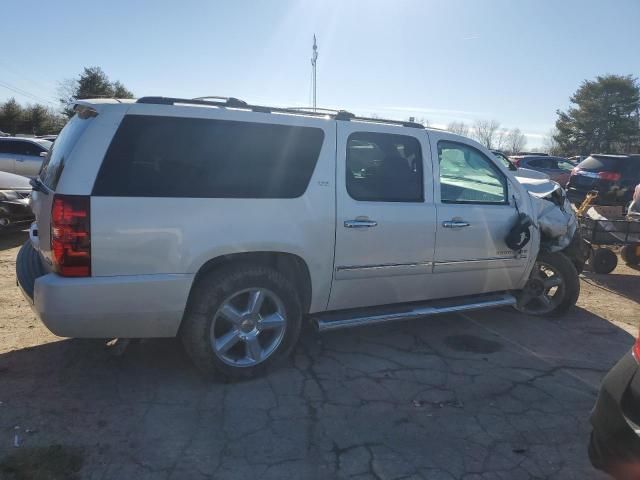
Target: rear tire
[241, 320]
[631, 254]
[553, 286]
[603, 260]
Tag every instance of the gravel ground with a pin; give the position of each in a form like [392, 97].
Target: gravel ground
[485, 395]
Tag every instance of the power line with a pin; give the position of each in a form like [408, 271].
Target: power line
[24, 93]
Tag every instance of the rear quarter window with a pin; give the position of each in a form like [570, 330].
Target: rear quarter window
[152, 156]
[61, 149]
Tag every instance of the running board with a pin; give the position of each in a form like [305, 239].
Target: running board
[390, 313]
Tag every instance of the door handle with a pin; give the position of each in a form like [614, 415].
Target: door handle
[455, 224]
[360, 223]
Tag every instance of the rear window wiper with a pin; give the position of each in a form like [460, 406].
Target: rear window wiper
[37, 185]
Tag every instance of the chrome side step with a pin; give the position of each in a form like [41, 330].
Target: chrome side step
[389, 313]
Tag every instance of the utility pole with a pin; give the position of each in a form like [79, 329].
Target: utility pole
[314, 60]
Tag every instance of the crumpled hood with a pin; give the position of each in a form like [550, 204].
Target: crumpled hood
[539, 187]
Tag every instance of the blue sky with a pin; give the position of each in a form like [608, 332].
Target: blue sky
[513, 61]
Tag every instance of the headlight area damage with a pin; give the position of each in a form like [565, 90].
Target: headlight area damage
[557, 222]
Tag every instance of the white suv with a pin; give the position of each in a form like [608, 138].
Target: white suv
[230, 225]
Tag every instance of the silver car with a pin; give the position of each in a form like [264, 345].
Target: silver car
[22, 156]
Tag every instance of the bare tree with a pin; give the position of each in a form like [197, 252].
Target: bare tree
[501, 139]
[516, 141]
[550, 144]
[459, 128]
[484, 131]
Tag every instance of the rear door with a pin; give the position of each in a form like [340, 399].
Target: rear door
[385, 228]
[475, 212]
[8, 156]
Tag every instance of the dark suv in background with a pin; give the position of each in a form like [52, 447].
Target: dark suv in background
[614, 177]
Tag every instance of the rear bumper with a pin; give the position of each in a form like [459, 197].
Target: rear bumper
[132, 306]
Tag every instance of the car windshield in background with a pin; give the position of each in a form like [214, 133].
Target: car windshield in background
[44, 143]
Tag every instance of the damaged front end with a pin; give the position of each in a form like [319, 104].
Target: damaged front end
[557, 222]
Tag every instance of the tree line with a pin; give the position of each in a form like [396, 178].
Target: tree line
[489, 134]
[604, 116]
[37, 119]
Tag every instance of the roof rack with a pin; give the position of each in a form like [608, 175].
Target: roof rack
[232, 102]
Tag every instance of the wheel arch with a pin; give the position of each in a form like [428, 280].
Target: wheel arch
[291, 265]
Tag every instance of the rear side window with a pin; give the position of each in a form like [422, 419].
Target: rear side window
[60, 150]
[153, 156]
[384, 167]
[598, 163]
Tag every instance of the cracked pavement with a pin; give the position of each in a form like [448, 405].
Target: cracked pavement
[475, 396]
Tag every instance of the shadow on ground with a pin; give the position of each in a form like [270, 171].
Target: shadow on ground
[622, 284]
[12, 238]
[494, 394]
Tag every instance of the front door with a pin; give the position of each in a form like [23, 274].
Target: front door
[475, 213]
[385, 230]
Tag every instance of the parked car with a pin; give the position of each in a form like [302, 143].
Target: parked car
[614, 177]
[231, 226]
[556, 168]
[519, 172]
[4, 134]
[615, 440]
[22, 156]
[49, 138]
[15, 211]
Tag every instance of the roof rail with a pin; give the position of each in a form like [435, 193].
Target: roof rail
[231, 102]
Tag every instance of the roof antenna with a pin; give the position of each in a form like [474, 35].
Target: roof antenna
[314, 60]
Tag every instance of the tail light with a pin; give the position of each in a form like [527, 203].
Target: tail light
[71, 235]
[636, 349]
[516, 162]
[611, 176]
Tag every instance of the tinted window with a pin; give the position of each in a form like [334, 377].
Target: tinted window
[5, 146]
[383, 167]
[60, 150]
[597, 163]
[186, 157]
[16, 147]
[468, 176]
[540, 163]
[31, 149]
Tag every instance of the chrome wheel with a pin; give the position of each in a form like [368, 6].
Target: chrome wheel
[544, 291]
[248, 327]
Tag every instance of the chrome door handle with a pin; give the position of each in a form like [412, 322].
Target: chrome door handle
[455, 224]
[360, 223]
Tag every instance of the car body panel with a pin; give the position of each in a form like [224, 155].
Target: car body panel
[390, 262]
[21, 155]
[160, 243]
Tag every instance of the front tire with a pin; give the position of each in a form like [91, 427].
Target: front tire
[553, 286]
[241, 320]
